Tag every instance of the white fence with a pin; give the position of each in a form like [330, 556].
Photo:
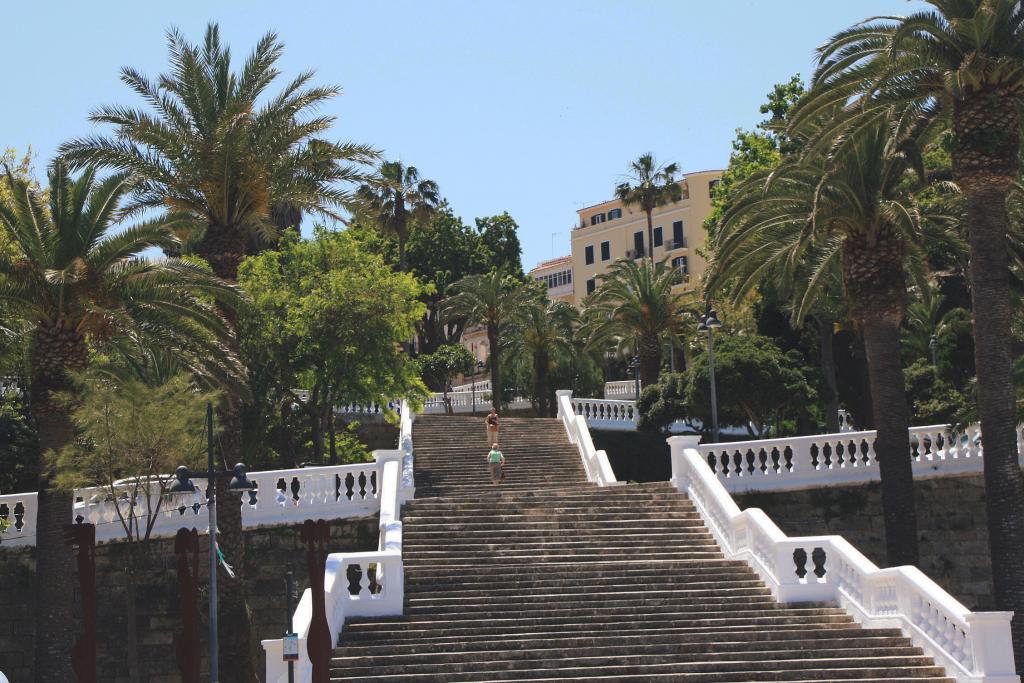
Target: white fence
[614, 415]
[478, 386]
[845, 458]
[623, 389]
[380, 588]
[972, 646]
[467, 402]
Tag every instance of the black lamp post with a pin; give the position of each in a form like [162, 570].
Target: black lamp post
[477, 369]
[933, 344]
[634, 366]
[239, 482]
[709, 323]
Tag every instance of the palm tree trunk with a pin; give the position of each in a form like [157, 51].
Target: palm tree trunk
[494, 361]
[892, 443]
[875, 286]
[985, 163]
[540, 387]
[650, 360]
[224, 247]
[57, 350]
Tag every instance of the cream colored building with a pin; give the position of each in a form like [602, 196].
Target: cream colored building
[609, 231]
[557, 275]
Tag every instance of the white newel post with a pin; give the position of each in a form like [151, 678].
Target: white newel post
[991, 644]
[558, 399]
[676, 445]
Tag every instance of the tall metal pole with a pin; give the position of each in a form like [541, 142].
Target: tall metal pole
[290, 587]
[211, 505]
[473, 381]
[711, 376]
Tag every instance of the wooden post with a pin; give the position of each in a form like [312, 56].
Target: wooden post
[318, 642]
[186, 649]
[83, 653]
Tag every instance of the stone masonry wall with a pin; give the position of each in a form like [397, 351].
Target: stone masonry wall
[951, 518]
[270, 553]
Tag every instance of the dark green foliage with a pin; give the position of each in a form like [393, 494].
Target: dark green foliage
[757, 384]
[931, 399]
[500, 235]
[438, 368]
[19, 448]
[663, 403]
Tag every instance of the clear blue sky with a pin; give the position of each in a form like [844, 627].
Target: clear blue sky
[531, 107]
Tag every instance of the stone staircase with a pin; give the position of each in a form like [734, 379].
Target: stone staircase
[549, 578]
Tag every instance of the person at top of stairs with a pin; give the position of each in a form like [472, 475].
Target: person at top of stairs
[495, 462]
[492, 425]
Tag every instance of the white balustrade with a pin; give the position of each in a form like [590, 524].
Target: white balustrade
[595, 462]
[972, 646]
[607, 414]
[364, 584]
[844, 458]
[18, 519]
[623, 389]
[481, 385]
[465, 402]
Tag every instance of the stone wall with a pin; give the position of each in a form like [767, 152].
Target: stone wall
[270, 553]
[951, 518]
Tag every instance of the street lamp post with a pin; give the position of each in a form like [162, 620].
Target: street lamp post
[933, 344]
[634, 365]
[239, 482]
[709, 323]
[476, 370]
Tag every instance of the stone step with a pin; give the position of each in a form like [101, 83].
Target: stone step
[683, 640]
[504, 570]
[720, 579]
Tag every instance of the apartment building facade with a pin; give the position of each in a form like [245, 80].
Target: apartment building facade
[557, 275]
[610, 231]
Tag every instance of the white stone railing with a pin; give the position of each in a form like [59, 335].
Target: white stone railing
[972, 646]
[622, 389]
[18, 519]
[595, 462]
[364, 584]
[607, 414]
[463, 402]
[845, 458]
[481, 385]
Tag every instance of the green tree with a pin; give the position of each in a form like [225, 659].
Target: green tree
[495, 301]
[328, 317]
[74, 282]
[500, 235]
[663, 403]
[758, 386]
[218, 148]
[396, 197]
[850, 212]
[545, 331]
[649, 186]
[438, 368]
[638, 304]
[960, 63]
[131, 437]
[931, 399]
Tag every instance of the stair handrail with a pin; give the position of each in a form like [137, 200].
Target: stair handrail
[974, 647]
[381, 583]
[595, 462]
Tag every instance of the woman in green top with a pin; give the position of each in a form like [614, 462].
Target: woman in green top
[495, 460]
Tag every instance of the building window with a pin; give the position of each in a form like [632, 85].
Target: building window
[679, 263]
[614, 213]
[559, 279]
[597, 218]
[591, 285]
[657, 236]
[678, 240]
[606, 251]
[712, 185]
[638, 244]
[589, 254]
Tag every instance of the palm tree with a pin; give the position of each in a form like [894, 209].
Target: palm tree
[640, 305]
[395, 195]
[926, 319]
[494, 300]
[545, 333]
[962, 62]
[73, 283]
[649, 186]
[216, 147]
[848, 212]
